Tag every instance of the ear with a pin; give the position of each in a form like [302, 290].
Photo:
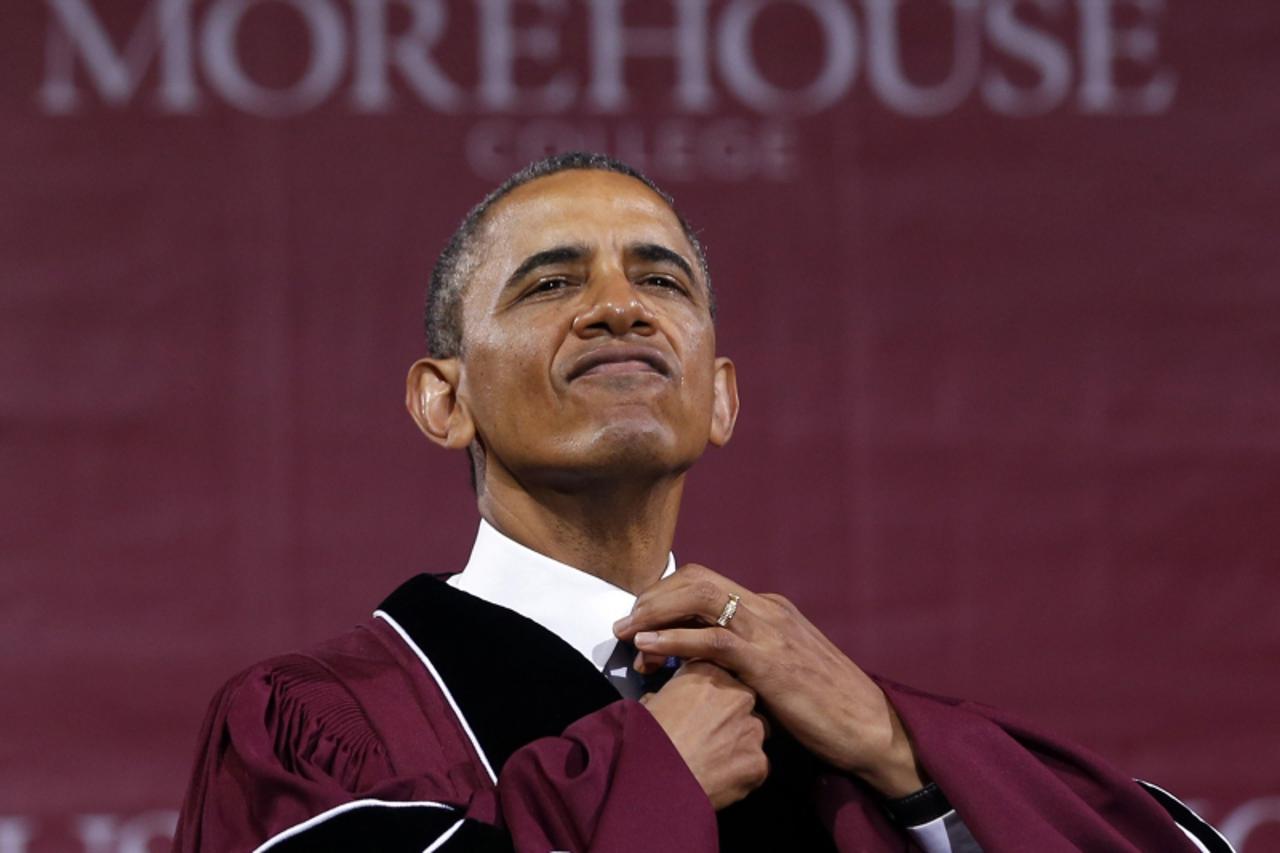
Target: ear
[431, 396]
[724, 407]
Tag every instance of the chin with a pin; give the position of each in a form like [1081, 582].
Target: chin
[623, 450]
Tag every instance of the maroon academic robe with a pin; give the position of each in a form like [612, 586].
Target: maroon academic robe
[446, 723]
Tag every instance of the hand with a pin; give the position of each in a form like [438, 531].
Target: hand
[709, 716]
[808, 685]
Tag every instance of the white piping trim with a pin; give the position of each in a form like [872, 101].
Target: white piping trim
[448, 833]
[1208, 825]
[345, 807]
[1196, 841]
[466, 727]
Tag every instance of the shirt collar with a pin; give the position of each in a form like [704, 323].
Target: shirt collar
[578, 607]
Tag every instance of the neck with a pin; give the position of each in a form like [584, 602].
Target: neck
[619, 531]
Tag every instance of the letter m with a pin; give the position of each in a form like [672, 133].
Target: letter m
[163, 28]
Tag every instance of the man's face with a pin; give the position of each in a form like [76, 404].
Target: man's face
[588, 345]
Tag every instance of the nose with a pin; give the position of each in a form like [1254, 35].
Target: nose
[613, 309]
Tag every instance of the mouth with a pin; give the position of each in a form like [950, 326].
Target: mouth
[614, 360]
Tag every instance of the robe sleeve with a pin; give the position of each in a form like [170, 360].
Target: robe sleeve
[613, 782]
[1016, 788]
[289, 761]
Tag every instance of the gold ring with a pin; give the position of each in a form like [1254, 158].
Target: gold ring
[730, 608]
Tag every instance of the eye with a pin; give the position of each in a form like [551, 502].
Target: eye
[547, 285]
[666, 281]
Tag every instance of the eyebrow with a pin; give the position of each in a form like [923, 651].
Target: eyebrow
[655, 253]
[651, 252]
[546, 258]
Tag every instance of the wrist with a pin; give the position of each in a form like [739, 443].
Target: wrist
[895, 772]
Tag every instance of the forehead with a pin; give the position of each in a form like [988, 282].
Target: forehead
[597, 209]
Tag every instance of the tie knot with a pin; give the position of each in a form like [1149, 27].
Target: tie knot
[632, 684]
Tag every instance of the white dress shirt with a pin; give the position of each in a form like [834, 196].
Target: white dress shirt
[580, 609]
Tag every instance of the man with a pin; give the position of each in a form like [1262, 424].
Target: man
[572, 341]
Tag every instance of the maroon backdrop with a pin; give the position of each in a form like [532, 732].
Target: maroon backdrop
[1000, 276]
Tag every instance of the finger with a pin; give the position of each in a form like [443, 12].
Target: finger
[701, 667]
[718, 645]
[647, 664]
[701, 600]
[688, 575]
[717, 675]
[764, 722]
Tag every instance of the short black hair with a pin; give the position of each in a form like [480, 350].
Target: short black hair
[443, 316]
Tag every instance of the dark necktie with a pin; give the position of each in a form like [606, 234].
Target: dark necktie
[631, 684]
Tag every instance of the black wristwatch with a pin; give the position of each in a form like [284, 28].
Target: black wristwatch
[927, 804]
